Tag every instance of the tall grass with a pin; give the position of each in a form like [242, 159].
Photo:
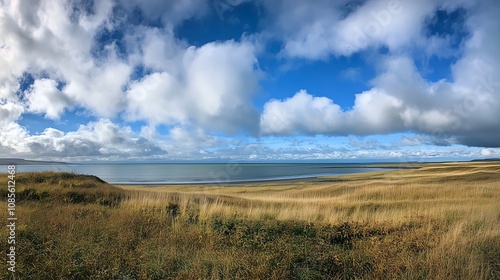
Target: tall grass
[441, 221]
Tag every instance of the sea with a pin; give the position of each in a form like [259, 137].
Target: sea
[200, 173]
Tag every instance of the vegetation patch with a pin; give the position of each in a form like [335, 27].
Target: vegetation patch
[406, 224]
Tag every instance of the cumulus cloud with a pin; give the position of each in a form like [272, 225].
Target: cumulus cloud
[400, 101]
[102, 139]
[348, 27]
[391, 23]
[123, 60]
[306, 30]
[57, 43]
[55, 39]
[48, 39]
[44, 97]
[374, 112]
[211, 88]
[156, 97]
[10, 111]
[301, 113]
[11, 139]
[464, 108]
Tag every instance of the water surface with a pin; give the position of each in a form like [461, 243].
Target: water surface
[189, 173]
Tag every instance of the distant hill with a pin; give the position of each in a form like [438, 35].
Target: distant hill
[487, 159]
[20, 161]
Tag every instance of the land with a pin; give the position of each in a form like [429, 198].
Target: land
[434, 221]
[20, 161]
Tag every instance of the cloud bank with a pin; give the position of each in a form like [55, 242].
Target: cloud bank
[400, 100]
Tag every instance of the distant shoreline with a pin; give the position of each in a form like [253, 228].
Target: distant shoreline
[384, 168]
[228, 183]
[276, 181]
[362, 164]
[226, 179]
[20, 161]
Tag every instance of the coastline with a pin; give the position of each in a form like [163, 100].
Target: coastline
[258, 182]
[228, 184]
[397, 171]
[183, 174]
[223, 177]
[384, 169]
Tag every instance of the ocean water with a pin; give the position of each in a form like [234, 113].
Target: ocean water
[189, 173]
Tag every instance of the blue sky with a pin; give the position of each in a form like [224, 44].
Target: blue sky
[250, 80]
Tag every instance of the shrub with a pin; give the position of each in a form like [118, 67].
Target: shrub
[173, 209]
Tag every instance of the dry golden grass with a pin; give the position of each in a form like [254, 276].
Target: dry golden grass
[440, 221]
[436, 191]
[457, 206]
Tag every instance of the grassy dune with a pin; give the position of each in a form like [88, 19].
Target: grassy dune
[440, 221]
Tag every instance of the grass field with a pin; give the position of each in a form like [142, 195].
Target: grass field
[440, 221]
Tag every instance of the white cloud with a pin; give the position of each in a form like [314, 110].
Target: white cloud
[10, 111]
[45, 97]
[485, 152]
[99, 140]
[391, 23]
[44, 40]
[374, 112]
[11, 133]
[54, 42]
[221, 79]
[325, 28]
[306, 29]
[464, 110]
[315, 31]
[401, 100]
[301, 113]
[185, 142]
[12, 137]
[157, 98]
[155, 48]
[100, 90]
[212, 88]
[490, 152]
[202, 91]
